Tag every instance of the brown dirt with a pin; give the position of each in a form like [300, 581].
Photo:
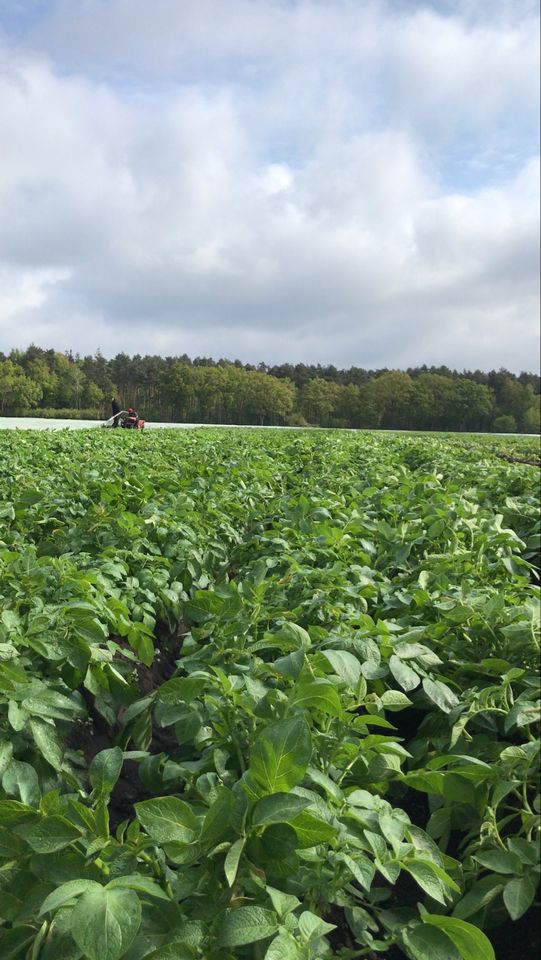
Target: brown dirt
[163, 666]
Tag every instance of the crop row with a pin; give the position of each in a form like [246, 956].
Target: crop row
[265, 695]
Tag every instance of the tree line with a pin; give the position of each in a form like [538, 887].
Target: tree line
[43, 382]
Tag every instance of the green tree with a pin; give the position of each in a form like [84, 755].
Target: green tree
[515, 398]
[531, 422]
[392, 395]
[368, 416]
[93, 395]
[40, 371]
[177, 390]
[473, 405]
[348, 408]
[432, 406]
[270, 400]
[17, 391]
[505, 423]
[71, 381]
[318, 401]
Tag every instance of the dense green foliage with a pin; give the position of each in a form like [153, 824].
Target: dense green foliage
[179, 390]
[266, 695]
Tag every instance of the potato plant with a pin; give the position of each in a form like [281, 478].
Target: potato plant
[267, 694]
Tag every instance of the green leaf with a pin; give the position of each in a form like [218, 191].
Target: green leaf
[21, 781]
[425, 780]
[172, 951]
[55, 705]
[6, 754]
[278, 841]
[105, 922]
[167, 820]
[17, 717]
[47, 742]
[181, 690]
[328, 785]
[283, 903]
[102, 819]
[278, 808]
[404, 675]
[440, 694]
[48, 834]
[137, 708]
[361, 867]
[11, 846]
[527, 850]
[312, 927]
[88, 628]
[522, 714]
[246, 925]
[431, 878]
[283, 947]
[232, 860]
[59, 942]
[191, 932]
[471, 943]
[499, 860]
[480, 895]
[319, 695]
[294, 635]
[428, 943]
[67, 891]
[13, 942]
[13, 812]
[38, 941]
[105, 770]
[217, 822]
[312, 831]
[204, 606]
[518, 896]
[345, 665]
[394, 700]
[135, 881]
[281, 754]
[141, 643]
[290, 665]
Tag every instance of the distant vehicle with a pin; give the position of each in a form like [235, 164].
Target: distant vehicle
[127, 419]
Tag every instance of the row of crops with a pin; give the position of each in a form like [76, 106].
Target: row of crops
[267, 695]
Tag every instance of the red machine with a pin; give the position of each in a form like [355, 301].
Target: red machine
[126, 419]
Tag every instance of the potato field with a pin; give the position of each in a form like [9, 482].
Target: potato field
[268, 695]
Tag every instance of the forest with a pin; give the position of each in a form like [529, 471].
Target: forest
[48, 383]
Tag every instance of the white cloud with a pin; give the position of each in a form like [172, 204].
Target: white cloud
[447, 75]
[286, 187]
[277, 178]
[415, 65]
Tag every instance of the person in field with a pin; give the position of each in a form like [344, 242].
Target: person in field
[131, 420]
[116, 410]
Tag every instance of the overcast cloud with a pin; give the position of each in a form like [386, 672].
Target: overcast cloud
[334, 181]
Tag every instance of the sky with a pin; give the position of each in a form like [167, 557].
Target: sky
[352, 182]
